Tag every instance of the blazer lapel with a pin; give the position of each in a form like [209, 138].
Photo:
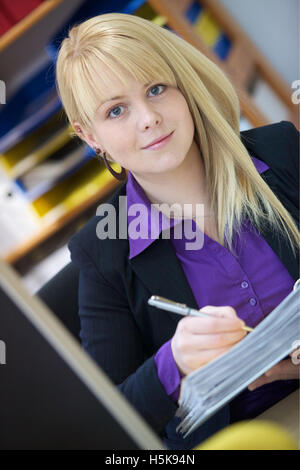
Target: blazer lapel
[160, 270]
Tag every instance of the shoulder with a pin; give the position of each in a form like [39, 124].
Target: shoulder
[277, 133]
[275, 144]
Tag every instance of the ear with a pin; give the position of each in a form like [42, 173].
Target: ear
[84, 135]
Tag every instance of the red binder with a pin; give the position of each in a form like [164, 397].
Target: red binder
[5, 23]
[16, 10]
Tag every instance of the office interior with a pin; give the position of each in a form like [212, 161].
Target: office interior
[50, 182]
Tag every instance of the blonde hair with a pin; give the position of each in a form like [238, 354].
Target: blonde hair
[117, 42]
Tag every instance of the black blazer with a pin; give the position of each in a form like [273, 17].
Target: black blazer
[121, 331]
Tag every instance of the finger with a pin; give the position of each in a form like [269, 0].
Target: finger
[223, 312]
[275, 370]
[211, 324]
[284, 370]
[262, 380]
[198, 342]
[295, 353]
[259, 382]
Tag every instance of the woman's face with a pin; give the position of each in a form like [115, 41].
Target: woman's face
[124, 126]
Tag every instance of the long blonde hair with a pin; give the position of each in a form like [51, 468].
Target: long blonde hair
[117, 42]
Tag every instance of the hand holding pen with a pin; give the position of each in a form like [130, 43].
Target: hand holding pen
[201, 336]
[182, 309]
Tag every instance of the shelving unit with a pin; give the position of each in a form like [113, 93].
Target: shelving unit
[50, 229]
[207, 25]
[26, 23]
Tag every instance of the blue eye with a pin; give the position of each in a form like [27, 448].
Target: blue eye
[111, 116]
[156, 86]
[112, 110]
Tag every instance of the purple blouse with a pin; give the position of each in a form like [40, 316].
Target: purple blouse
[253, 281]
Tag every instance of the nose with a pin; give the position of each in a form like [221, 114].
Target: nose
[148, 117]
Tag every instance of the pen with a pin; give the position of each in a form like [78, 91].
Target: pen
[181, 309]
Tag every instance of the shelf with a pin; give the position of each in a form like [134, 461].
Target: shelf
[26, 23]
[49, 230]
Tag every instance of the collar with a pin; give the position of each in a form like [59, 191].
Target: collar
[139, 207]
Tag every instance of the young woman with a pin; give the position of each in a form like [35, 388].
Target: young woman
[146, 99]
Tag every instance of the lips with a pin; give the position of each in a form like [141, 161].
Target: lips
[160, 139]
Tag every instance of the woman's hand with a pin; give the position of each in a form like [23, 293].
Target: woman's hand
[284, 370]
[198, 341]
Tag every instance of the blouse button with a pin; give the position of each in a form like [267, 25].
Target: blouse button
[252, 301]
[244, 284]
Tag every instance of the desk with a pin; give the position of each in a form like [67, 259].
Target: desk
[286, 414]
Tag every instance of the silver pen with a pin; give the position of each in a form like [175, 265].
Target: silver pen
[181, 309]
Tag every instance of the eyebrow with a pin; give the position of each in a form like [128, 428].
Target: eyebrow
[119, 97]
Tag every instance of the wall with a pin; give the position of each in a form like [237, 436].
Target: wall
[273, 25]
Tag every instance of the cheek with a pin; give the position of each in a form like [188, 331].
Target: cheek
[185, 119]
[123, 142]
[123, 147]
[116, 139]
[181, 110]
[187, 113]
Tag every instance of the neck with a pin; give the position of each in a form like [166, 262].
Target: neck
[185, 184]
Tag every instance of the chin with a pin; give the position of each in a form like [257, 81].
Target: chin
[167, 167]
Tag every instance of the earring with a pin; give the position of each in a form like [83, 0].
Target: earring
[119, 176]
